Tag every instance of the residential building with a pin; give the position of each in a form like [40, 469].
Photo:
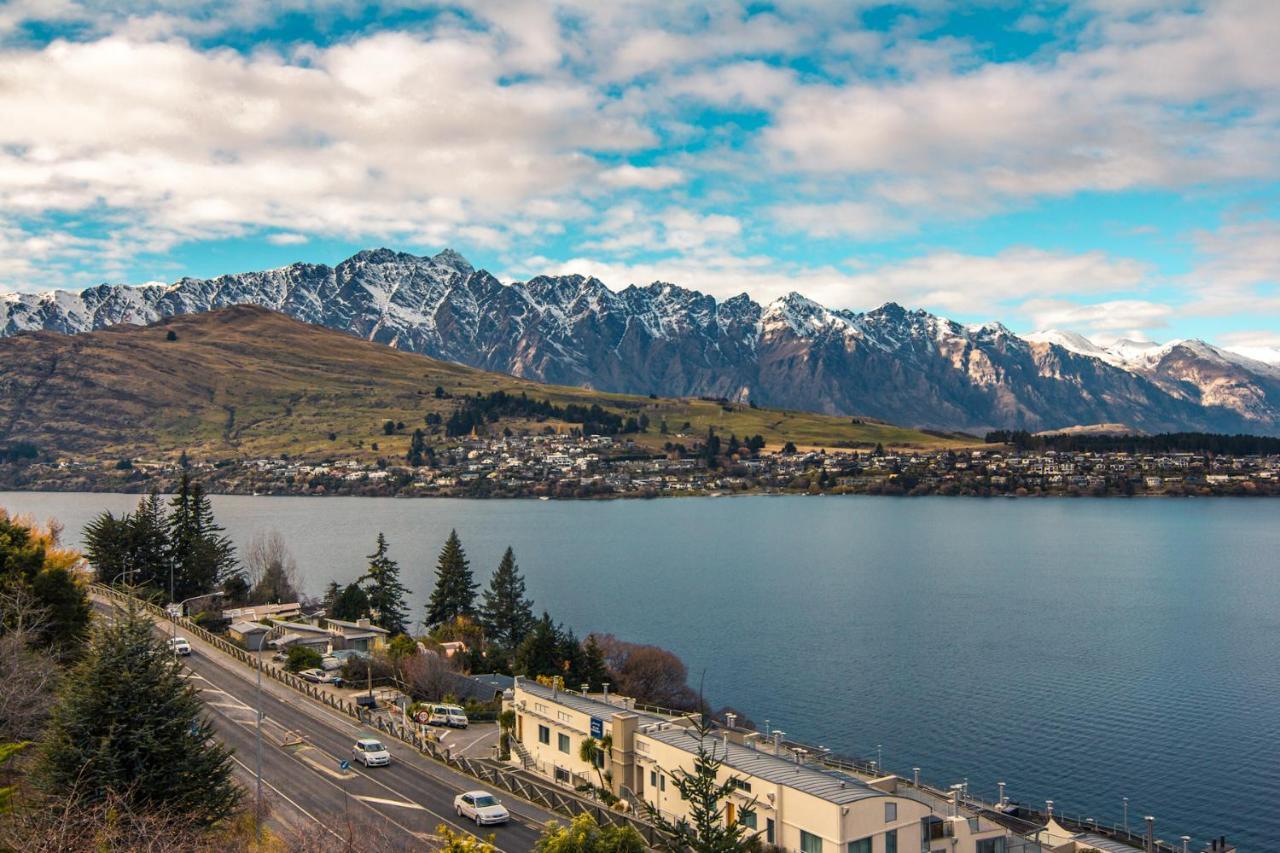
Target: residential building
[790, 800]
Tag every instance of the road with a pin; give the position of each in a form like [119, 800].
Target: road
[406, 800]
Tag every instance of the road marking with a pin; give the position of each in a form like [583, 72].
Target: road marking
[288, 800]
[404, 804]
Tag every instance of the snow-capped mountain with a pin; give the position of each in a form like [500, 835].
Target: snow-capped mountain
[908, 367]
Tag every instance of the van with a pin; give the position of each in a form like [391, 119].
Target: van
[448, 715]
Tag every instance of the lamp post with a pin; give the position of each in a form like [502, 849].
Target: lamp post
[1126, 814]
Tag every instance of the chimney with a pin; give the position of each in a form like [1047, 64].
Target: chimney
[606, 691]
[729, 719]
[777, 741]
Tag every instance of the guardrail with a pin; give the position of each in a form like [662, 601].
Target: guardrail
[549, 797]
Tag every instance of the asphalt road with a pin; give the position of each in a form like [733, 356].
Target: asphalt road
[303, 743]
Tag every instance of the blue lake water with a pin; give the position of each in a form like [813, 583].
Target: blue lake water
[1079, 650]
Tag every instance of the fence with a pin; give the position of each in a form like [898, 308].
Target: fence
[548, 796]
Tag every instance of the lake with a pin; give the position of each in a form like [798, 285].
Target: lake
[1080, 650]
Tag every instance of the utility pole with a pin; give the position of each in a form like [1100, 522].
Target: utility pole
[258, 803]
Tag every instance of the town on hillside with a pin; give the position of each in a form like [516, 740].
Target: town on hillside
[573, 465]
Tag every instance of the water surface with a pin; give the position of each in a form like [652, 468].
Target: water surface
[1079, 650]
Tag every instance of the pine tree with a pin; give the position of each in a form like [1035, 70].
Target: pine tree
[507, 615]
[202, 557]
[129, 725]
[331, 593]
[704, 828]
[386, 593]
[351, 604]
[455, 591]
[594, 670]
[149, 541]
[539, 654]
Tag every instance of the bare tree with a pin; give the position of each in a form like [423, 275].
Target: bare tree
[272, 571]
[428, 676]
[28, 673]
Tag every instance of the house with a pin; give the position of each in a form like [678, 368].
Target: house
[249, 635]
[284, 635]
[783, 795]
[361, 635]
[258, 612]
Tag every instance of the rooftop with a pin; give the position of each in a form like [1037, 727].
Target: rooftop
[583, 704]
[829, 785]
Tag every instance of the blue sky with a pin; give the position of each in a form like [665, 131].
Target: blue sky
[1109, 166]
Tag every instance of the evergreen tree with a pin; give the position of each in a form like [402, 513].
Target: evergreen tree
[539, 654]
[386, 593]
[32, 565]
[455, 591]
[149, 541]
[351, 604]
[705, 828]
[417, 448]
[331, 593]
[202, 557]
[507, 615]
[107, 545]
[594, 670]
[128, 724]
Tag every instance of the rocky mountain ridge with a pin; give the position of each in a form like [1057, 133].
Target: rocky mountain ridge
[900, 365]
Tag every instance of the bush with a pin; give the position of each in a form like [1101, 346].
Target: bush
[303, 657]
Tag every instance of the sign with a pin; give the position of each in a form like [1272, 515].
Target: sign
[597, 728]
[343, 764]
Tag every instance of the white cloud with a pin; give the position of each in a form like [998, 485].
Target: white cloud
[642, 177]
[287, 238]
[838, 219]
[1103, 321]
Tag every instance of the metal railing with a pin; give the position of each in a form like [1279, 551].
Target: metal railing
[548, 796]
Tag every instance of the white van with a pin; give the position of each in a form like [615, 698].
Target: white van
[448, 715]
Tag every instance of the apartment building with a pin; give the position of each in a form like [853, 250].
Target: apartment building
[790, 801]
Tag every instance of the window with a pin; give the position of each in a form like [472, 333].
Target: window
[810, 843]
[544, 735]
[890, 812]
[891, 841]
[747, 818]
[741, 785]
[861, 846]
[563, 742]
[991, 845]
[564, 716]
[662, 782]
[768, 830]
[653, 778]
[562, 775]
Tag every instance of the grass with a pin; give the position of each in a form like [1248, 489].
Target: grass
[247, 382]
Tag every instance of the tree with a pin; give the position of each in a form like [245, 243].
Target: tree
[418, 449]
[454, 841]
[35, 568]
[129, 725]
[271, 569]
[705, 828]
[507, 615]
[594, 671]
[202, 557]
[303, 657]
[351, 604]
[584, 835]
[149, 541]
[331, 593]
[385, 592]
[133, 546]
[539, 654]
[593, 752]
[455, 591]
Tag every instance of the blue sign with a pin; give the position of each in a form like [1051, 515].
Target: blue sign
[597, 727]
[343, 764]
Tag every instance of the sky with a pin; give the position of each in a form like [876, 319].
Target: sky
[1106, 166]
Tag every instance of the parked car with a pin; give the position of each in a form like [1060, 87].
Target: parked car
[371, 753]
[482, 807]
[329, 663]
[448, 715]
[319, 676]
[180, 646]
[280, 657]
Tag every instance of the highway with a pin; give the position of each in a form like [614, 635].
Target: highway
[303, 743]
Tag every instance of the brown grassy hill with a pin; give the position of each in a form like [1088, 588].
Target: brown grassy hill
[248, 382]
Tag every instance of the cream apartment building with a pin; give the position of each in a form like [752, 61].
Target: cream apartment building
[789, 802]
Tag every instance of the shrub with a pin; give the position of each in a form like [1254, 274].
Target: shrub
[303, 657]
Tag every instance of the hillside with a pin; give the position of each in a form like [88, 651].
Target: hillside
[892, 364]
[246, 382]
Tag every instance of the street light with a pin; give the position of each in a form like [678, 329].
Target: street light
[1126, 814]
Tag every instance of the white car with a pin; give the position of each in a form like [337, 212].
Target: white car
[371, 753]
[482, 807]
[180, 646]
[448, 715]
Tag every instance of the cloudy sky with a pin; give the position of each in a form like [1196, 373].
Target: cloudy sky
[1108, 166]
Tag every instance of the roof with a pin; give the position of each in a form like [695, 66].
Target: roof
[828, 785]
[495, 680]
[475, 687]
[248, 628]
[1099, 842]
[373, 629]
[584, 704]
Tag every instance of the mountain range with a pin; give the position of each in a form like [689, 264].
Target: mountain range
[891, 363]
